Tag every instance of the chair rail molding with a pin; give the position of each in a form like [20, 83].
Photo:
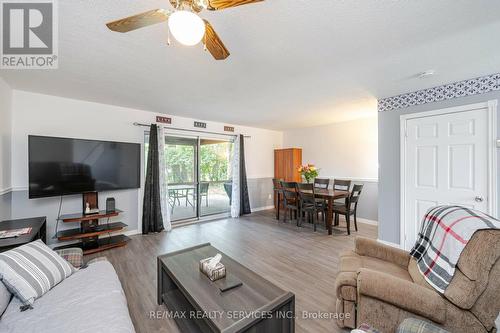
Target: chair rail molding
[476, 86]
[355, 179]
[6, 190]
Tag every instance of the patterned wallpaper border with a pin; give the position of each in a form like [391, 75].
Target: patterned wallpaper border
[470, 87]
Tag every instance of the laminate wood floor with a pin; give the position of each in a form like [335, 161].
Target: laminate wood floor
[295, 259]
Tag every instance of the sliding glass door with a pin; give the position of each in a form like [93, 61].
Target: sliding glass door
[197, 165]
[215, 176]
[182, 157]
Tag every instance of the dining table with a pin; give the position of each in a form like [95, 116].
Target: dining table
[183, 188]
[330, 195]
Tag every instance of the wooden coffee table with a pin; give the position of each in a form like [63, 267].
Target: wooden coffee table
[198, 305]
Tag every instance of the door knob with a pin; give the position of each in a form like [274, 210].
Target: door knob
[479, 198]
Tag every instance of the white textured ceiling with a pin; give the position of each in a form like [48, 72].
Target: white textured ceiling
[293, 63]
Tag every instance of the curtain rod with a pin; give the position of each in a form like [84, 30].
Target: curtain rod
[190, 130]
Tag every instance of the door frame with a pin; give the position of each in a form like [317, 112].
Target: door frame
[491, 108]
[199, 217]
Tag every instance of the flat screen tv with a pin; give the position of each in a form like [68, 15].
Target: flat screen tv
[64, 166]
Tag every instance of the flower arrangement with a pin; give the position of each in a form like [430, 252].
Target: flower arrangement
[308, 171]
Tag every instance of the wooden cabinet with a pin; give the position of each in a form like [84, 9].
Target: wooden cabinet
[286, 163]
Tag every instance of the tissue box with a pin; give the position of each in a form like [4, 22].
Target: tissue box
[215, 274]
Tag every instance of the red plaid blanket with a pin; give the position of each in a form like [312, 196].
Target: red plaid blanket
[444, 233]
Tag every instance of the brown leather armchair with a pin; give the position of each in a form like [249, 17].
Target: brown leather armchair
[381, 286]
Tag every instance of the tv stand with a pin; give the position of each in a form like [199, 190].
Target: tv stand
[90, 230]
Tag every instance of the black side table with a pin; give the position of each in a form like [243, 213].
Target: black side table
[38, 231]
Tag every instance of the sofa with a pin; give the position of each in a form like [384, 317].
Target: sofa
[90, 300]
[381, 285]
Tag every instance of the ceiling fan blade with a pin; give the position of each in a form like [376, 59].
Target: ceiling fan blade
[139, 21]
[223, 4]
[214, 43]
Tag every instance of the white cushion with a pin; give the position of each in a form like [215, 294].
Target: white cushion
[31, 270]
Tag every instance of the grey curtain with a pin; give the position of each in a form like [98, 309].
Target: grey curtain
[152, 220]
[244, 198]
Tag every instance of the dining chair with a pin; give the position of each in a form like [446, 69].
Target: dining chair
[350, 208]
[177, 195]
[171, 201]
[321, 183]
[228, 188]
[204, 191]
[308, 204]
[341, 185]
[290, 199]
[277, 196]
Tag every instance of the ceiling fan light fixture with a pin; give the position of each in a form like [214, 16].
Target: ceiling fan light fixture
[186, 27]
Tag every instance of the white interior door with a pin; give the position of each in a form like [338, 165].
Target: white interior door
[446, 162]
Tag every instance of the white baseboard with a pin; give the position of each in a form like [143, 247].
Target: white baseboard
[132, 232]
[361, 220]
[367, 221]
[258, 209]
[389, 243]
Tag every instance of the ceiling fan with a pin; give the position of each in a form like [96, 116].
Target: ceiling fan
[184, 23]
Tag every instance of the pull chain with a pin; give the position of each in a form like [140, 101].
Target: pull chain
[168, 36]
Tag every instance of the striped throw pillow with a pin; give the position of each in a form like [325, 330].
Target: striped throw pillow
[31, 270]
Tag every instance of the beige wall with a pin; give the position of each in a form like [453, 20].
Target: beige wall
[341, 150]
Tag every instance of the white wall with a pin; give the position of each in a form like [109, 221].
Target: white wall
[5, 150]
[342, 150]
[39, 114]
[50, 115]
[5, 136]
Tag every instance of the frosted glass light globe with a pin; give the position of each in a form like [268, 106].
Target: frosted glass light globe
[186, 27]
